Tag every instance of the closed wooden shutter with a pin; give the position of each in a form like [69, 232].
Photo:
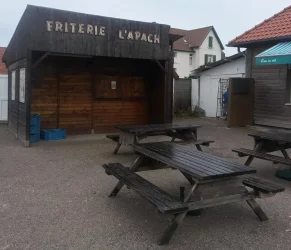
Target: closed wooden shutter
[205, 59]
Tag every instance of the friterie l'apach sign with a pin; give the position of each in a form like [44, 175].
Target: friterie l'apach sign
[99, 30]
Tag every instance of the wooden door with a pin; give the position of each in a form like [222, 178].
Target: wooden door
[75, 101]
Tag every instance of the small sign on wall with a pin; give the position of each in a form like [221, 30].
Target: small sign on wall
[22, 85]
[13, 86]
[113, 84]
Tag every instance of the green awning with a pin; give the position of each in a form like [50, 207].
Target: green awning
[278, 54]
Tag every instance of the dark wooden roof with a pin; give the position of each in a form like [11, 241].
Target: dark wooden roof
[32, 33]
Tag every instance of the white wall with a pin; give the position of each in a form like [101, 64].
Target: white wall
[3, 98]
[209, 84]
[181, 61]
[204, 49]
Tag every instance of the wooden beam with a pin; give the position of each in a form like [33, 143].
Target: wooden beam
[161, 66]
[40, 59]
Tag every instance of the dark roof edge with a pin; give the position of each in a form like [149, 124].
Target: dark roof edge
[220, 62]
[276, 39]
[217, 37]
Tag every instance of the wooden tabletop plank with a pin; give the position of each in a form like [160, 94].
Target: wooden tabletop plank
[155, 127]
[198, 164]
[183, 158]
[218, 161]
[273, 135]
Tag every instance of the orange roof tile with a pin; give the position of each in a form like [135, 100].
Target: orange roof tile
[3, 69]
[275, 27]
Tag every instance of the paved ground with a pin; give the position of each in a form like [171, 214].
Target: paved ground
[54, 196]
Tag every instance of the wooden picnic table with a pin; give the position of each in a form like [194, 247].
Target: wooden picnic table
[133, 134]
[266, 142]
[213, 181]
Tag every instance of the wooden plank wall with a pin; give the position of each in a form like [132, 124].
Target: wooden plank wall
[16, 109]
[75, 102]
[107, 114]
[270, 93]
[77, 95]
[44, 101]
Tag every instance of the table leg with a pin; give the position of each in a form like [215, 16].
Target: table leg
[257, 209]
[117, 148]
[189, 178]
[257, 147]
[167, 235]
[133, 168]
[284, 152]
[198, 147]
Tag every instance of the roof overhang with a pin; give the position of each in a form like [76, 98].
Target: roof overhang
[174, 37]
[246, 44]
[278, 54]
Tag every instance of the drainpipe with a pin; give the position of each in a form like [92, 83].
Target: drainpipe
[199, 91]
[245, 56]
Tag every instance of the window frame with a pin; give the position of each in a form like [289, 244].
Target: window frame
[210, 42]
[190, 59]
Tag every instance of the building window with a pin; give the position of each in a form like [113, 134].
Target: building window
[190, 59]
[210, 42]
[175, 54]
[13, 79]
[209, 59]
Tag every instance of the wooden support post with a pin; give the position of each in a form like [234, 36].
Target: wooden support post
[284, 152]
[198, 147]
[258, 146]
[258, 211]
[189, 178]
[167, 235]
[133, 168]
[249, 160]
[40, 59]
[117, 148]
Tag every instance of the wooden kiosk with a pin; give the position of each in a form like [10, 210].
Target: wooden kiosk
[87, 73]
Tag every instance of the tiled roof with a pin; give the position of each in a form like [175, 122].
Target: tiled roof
[192, 38]
[276, 27]
[3, 69]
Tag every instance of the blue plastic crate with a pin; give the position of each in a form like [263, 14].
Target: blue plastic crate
[52, 134]
[34, 138]
[35, 124]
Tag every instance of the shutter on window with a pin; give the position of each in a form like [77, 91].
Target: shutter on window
[205, 59]
[214, 58]
[210, 42]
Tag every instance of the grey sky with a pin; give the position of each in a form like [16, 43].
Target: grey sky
[229, 17]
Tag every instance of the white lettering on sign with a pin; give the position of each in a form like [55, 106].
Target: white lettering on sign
[100, 31]
[138, 36]
[75, 28]
[263, 60]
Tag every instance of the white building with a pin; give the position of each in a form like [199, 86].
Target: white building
[197, 47]
[3, 89]
[205, 86]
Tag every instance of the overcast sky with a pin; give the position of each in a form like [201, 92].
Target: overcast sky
[229, 17]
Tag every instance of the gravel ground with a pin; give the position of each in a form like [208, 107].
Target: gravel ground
[53, 195]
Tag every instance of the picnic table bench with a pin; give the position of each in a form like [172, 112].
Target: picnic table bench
[214, 181]
[133, 134]
[265, 142]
